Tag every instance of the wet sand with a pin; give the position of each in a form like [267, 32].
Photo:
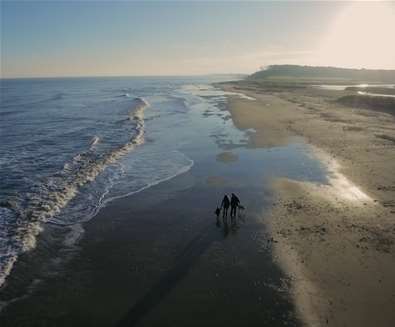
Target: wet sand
[302, 252]
[336, 241]
[160, 258]
[135, 266]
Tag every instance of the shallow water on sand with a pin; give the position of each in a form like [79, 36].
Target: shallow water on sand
[334, 87]
[69, 146]
[187, 131]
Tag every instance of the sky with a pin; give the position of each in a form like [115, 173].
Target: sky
[110, 38]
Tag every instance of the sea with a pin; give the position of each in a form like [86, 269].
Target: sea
[69, 146]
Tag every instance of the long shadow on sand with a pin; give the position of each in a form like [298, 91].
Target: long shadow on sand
[183, 264]
[279, 309]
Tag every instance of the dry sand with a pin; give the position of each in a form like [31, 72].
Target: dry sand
[336, 242]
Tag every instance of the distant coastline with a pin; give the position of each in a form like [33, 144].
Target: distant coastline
[335, 241]
[329, 74]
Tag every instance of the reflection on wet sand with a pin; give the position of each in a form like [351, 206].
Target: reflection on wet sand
[340, 187]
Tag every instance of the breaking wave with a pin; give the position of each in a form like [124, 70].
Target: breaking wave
[95, 140]
[23, 221]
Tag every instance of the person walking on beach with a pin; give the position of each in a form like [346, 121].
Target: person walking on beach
[225, 205]
[234, 203]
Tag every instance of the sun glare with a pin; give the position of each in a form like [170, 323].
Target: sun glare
[361, 37]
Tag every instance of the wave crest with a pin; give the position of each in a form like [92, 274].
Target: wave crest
[53, 195]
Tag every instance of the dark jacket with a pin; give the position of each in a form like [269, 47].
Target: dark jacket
[225, 202]
[234, 201]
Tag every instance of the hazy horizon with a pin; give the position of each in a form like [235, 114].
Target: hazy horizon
[98, 39]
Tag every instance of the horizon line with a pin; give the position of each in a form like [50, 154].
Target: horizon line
[101, 76]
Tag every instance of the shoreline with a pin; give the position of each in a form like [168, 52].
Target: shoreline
[158, 257]
[306, 252]
[158, 269]
[335, 241]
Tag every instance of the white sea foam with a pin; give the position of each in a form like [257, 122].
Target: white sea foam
[180, 171]
[57, 192]
[74, 235]
[211, 91]
[6, 269]
[95, 140]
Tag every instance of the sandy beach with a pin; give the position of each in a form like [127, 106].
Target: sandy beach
[197, 163]
[335, 240]
[159, 257]
[314, 247]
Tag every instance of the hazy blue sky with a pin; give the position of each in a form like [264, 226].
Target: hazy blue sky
[74, 38]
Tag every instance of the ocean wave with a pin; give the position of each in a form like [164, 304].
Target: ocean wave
[117, 183]
[124, 95]
[58, 96]
[55, 97]
[9, 254]
[137, 113]
[180, 171]
[95, 140]
[49, 198]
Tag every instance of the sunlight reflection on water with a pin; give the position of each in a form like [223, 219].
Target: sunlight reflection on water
[339, 185]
